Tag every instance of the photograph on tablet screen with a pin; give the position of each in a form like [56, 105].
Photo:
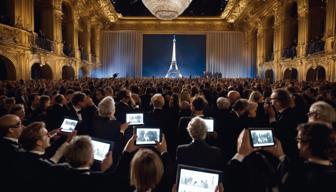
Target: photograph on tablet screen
[135, 118]
[68, 125]
[191, 180]
[147, 136]
[209, 124]
[100, 149]
[262, 138]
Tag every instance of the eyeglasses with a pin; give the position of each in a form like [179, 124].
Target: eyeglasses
[17, 125]
[309, 114]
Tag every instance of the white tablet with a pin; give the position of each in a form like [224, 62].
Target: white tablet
[101, 148]
[192, 179]
[147, 136]
[68, 125]
[135, 118]
[210, 124]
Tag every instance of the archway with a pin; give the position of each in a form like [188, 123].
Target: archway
[269, 75]
[317, 22]
[68, 73]
[291, 74]
[7, 69]
[39, 71]
[318, 74]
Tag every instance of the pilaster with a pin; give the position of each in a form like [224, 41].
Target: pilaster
[303, 32]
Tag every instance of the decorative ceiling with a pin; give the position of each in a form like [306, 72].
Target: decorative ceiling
[197, 8]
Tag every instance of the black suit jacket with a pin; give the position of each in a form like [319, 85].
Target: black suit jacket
[55, 116]
[200, 154]
[285, 131]
[121, 110]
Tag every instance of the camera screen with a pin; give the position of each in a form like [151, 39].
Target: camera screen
[135, 118]
[210, 124]
[191, 180]
[147, 136]
[100, 149]
[68, 125]
[262, 138]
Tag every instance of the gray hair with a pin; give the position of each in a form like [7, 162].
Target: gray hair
[197, 129]
[106, 107]
[157, 100]
[324, 111]
[223, 103]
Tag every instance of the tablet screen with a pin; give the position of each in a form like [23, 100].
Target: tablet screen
[147, 136]
[68, 125]
[135, 118]
[262, 137]
[100, 149]
[210, 124]
[191, 179]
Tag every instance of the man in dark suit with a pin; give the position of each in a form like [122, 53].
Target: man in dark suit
[283, 120]
[198, 153]
[124, 105]
[10, 130]
[56, 113]
[198, 105]
[76, 106]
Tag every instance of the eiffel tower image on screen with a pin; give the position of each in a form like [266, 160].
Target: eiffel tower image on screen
[173, 71]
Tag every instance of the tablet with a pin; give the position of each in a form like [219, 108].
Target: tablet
[147, 136]
[101, 148]
[261, 137]
[68, 125]
[135, 118]
[210, 124]
[192, 179]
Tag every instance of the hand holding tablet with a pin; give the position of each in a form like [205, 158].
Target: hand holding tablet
[101, 148]
[261, 137]
[209, 124]
[147, 136]
[68, 125]
[135, 118]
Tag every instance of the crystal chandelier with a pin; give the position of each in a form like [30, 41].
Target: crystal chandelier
[166, 9]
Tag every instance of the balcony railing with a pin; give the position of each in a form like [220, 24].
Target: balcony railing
[68, 51]
[4, 19]
[289, 52]
[315, 46]
[44, 43]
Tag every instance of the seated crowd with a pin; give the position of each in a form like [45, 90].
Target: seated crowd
[38, 156]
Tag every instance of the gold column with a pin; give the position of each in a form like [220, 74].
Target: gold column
[330, 25]
[57, 29]
[279, 27]
[24, 14]
[303, 13]
[75, 36]
[87, 31]
[98, 31]
[260, 48]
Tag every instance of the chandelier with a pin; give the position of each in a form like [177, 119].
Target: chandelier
[166, 9]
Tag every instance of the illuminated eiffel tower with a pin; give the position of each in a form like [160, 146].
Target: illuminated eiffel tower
[173, 71]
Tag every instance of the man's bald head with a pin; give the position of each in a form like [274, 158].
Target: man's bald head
[10, 126]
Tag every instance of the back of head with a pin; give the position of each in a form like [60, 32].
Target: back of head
[320, 138]
[197, 129]
[233, 96]
[157, 100]
[77, 98]
[324, 111]
[223, 103]
[255, 96]
[30, 135]
[79, 152]
[146, 170]
[240, 105]
[199, 103]
[106, 107]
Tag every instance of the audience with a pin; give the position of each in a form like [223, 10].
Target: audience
[177, 107]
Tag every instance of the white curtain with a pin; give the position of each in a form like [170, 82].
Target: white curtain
[226, 52]
[121, 52]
